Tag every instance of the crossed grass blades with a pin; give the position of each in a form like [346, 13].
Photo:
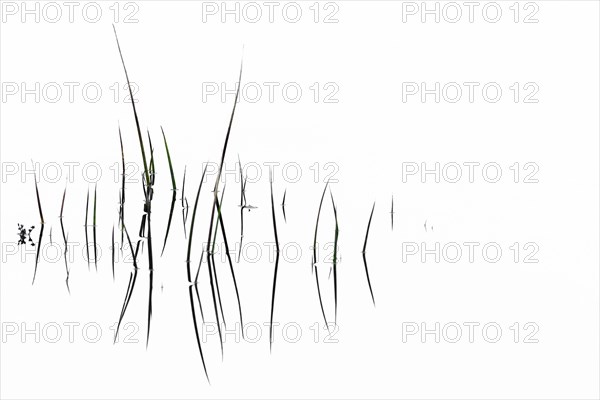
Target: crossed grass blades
[216, 226]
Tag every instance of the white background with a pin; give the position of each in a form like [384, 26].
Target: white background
[369, 133]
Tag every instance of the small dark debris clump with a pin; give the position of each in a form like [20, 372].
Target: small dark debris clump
[25, 235]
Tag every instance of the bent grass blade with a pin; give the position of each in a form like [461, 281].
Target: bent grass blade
[174, 188]
[364, 250]
[276, 262]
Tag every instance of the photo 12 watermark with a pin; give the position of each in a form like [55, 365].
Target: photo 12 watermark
[453, 12]
[269, 12]
[469, 332]
[69, 12]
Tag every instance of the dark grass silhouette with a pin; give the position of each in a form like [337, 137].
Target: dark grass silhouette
[364, 250]
[183, 205]
[392, 212]
[174, 189]
[122, 194]
[94, 230]
[314, 260]
[189, 276]
[211, 269]
[216, 225]
[147, 184]
[276, 262]
[112, 247]
[211, 255]
[148, 210]
[243, 204]
[335, 248]
[87, 242]
[62, 228]
[196, 285]
[42, 223]
[283, 206]
[214, 291]
[132, 280]
[227, 253]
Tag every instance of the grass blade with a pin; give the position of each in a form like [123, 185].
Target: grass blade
[314, 263]
[173, 199]
[149, 184]
[174, 188]
[335, 246]
[113, 252]
[276, 262]
[39, 203]
[242, 207]
[314, 259]
[196, 284]
[62, 228]
[211, 255]
[122, 196]
[132, 280]
[183, 207]
[212, 281]
[230, 262]
[192, 223]
[215, 191]
[37, 255]
[137, 122]
[189, 253]
[169, 160]
[87, 243]
[148, 209]
[283, 206]
[196, 329]
[392, 212]
[364, 254]
[37, 195]
[94, 231]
